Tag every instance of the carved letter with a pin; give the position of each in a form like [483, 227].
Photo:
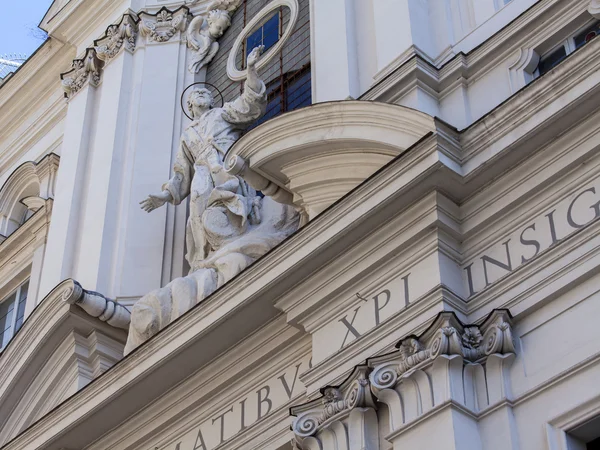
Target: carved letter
[406, 293]
[222, 417]
[202, 444]
[243, 415]
[595, 206]
[470, 279]
[550, 217]
[262, 400]
[290, 390]
[350, 326]
[533, 242]
[507, 266]
[377, 308]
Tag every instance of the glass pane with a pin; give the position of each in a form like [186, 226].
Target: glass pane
[21, 306]
[254, 40]
[6, 314]
[298, 92]
[271, 32]
[551, 60]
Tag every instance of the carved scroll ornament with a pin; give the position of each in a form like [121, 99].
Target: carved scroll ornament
[447, 336]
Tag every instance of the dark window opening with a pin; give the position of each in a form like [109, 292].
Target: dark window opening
[593, 445]
[550, 61]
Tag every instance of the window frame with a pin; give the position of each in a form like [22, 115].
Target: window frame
[18, 293]
[568, 44]
[247, 50]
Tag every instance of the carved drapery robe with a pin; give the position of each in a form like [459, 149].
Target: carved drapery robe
[229, 226]
[219, 203]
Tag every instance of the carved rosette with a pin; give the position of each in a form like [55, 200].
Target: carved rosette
[446, 337]
[118, 36]
[163, 25]
[84, 70]
[336, 404]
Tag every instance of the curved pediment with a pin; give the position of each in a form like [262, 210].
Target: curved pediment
[58, 350]
[321, 152]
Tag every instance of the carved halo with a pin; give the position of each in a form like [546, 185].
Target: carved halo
[193, 84]
[232, 70]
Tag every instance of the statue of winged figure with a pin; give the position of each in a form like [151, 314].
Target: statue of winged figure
[205, 29]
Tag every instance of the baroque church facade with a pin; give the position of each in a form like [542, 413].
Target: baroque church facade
[303, 225]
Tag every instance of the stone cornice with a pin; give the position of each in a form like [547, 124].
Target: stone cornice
[529, 29]
[40, 335]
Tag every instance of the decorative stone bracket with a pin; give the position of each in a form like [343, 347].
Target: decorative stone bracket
[163, 25]
[449, 365]
[118, 36]
[84, 70]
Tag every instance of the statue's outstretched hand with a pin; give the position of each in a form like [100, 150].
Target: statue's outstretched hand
[155, 201]
[254, 55]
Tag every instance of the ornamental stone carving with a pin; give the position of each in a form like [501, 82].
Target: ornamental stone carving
[206, 29]
[84, 70]
[347, 405]
[446, 337]
[163, 25]
[229, 225]
[116, 37]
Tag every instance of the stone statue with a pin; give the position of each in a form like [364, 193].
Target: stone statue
[229, 226]
[203, 32]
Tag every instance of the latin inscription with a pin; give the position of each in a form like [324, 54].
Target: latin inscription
[234, 418]
[568, 216]
[573, 213]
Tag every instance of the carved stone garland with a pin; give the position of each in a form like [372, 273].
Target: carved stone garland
[84, 70]
[90, 67]
[163, 25]
[118, 36]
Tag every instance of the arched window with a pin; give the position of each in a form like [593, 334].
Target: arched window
[25, 191]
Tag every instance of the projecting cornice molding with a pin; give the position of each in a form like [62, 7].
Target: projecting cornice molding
[118, 36]
[58, 350]
[164, 24]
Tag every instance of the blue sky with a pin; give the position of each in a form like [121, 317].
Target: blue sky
[17, 20]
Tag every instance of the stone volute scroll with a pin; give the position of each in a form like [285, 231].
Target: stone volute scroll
[344, 417]
[229, 225]
[205, 30]
[451, 363]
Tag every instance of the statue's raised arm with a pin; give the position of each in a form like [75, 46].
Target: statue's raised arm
[251, 105]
